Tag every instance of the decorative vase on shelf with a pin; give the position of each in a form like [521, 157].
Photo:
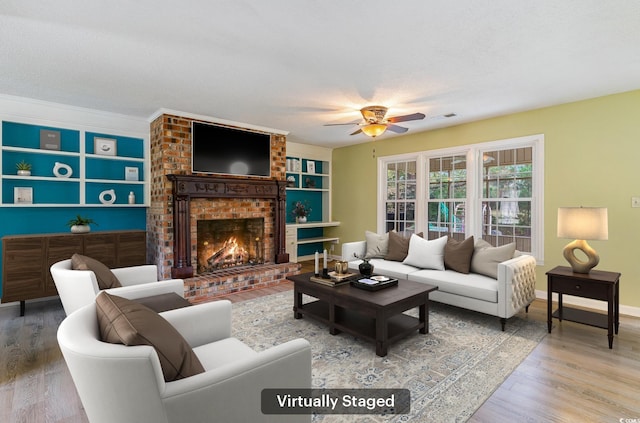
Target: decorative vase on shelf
[24, 173]
[80, 229]
[302, 219]
[365, 268]
[107, 196]
[62, 170]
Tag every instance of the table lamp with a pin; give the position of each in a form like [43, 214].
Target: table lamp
[582, 223]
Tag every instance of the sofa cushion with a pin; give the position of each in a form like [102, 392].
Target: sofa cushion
[398, 246]
[377, 245]
[122, 321]
[426, 254]
[457, 254]
[105, 277]
[486, 258]
[471, 285]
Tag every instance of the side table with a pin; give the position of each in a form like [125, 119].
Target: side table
[597, 285]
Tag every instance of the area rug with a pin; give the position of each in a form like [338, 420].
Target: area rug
[450, 371]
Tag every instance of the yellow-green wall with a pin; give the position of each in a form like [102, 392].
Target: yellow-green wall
[591, 158]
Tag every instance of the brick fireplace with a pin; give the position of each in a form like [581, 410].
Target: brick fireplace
[179, 199]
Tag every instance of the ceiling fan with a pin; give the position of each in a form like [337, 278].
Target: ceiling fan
[375, 123]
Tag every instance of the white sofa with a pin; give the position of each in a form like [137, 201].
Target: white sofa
[125, 384]
[78, 288]
[503, 297]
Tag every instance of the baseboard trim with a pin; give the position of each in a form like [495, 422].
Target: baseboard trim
[586, 302]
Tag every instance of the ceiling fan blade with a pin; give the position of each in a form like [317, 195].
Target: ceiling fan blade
[353, 122]
[405, 118]
[397, 129]
[356, 132]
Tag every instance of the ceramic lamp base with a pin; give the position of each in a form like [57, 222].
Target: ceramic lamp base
[578, 265]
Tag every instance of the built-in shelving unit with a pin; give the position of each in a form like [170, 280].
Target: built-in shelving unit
[72, 167]
[308, 181]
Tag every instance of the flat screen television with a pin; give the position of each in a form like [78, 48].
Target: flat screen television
[229, 151]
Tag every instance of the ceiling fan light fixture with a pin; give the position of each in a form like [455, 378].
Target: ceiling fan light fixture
[374, 129]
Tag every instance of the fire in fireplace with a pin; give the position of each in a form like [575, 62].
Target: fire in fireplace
[225, 243]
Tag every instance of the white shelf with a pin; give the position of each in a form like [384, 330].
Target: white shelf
[72, 205]
[312, 225]
[113, 181]
[119, 158]
[41, 178]
[309, 189]
[41, 151]
[314, 240]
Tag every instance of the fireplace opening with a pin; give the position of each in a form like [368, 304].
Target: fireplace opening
[226, 243]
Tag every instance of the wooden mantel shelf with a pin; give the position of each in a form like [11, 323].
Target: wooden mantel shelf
[186, 187]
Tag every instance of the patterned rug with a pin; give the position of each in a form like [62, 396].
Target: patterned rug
[450, 371]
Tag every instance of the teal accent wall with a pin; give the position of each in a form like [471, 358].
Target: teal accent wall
[309, 249]
[15, 134]
[312, 198]
[125, 146]
[43, 220]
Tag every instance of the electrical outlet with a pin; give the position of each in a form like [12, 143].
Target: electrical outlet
[332, 248]
[635, 201]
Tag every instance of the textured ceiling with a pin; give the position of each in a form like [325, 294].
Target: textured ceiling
[296, 65]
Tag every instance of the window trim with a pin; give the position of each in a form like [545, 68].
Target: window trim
[473, 153]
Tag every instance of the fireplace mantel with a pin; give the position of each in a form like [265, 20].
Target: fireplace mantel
[186, 187]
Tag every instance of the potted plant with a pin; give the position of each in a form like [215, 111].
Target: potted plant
[24, 168]
[301, 210]
[80, 225]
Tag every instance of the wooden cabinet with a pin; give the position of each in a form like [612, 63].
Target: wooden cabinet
[26, 259]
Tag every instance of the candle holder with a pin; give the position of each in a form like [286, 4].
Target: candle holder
[325, 273]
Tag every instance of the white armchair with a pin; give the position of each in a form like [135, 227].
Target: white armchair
[119, 383]
[78, 288]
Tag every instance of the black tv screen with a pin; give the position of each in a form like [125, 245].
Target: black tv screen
[229, 151]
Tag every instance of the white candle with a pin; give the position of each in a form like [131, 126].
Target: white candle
[316, 269]
[325, 260]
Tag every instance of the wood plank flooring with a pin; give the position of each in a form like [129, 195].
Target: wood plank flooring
[571, 376]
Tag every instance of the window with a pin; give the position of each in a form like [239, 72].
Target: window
[507, 196]
[400, 196]
[447, 201]
[492, 191]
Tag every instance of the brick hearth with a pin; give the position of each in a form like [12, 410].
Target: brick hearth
[171, 154]
[202, 288]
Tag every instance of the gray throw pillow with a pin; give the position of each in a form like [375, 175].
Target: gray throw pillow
[105, 277]
[398, 246]
[122, 321]
[486, 258]
[457, 254]
[377, 245]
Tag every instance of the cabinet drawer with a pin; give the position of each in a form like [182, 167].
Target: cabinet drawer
[594, 290]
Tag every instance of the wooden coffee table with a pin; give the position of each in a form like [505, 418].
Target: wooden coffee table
[375, 316]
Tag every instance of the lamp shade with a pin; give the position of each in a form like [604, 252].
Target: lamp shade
[583, 223]
[374, 129]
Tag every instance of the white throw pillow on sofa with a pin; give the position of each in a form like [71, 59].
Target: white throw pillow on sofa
[426, 254]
